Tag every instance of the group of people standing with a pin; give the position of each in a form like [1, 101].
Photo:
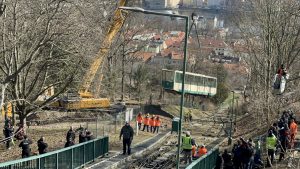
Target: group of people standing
[26, 150]
[281, 136]
[84, 135]
[247, 154]
[10, 134]
[244, 155]
[153, 122]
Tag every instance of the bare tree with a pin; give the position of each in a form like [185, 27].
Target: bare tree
[271, 29]
[46, 44]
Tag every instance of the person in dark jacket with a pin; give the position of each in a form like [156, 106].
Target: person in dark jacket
[25, 145]
[227, 160]
[82, 136]
[219, 162]
[8, 133]
[127, 133]
[70, 138]
[89, 136]
[42, 146]
[71, 134]
[236, 150]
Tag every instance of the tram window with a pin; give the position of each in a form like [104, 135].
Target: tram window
[169, 76]
[200, 81]
[178, 78]
[214, 82]
[194, 80]
[209, 84]
[204, 82]
[189, 79]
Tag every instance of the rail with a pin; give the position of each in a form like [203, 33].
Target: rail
[207, 161]
[68, 158]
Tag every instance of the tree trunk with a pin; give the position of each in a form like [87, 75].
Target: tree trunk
[3, 88]
[123, 72]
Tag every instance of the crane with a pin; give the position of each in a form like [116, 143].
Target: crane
[86, 99]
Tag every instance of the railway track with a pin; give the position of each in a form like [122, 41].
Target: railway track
[162, 156]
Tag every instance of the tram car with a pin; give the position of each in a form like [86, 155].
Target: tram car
[195, 84]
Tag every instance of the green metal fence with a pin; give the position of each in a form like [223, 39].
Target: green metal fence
[207, 161]
[67, 158]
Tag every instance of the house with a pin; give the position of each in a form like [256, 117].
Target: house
[216, 45]
[167, 59]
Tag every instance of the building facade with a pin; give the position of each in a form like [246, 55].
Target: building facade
[156, 4]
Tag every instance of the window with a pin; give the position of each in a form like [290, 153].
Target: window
[194, 80]
[169, 76]
[189, 79]
[200, 81]
[178, 77]
[211, 82]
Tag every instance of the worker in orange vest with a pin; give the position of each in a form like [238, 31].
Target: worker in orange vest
[146, 123]
[202, 151]
[293, 131]
[139, 120]
[194, 147]
[152, 123]
[157, 124]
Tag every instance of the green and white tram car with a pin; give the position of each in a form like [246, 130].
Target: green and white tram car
[195, 84]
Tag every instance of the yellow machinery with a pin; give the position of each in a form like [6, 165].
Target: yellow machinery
[86, 99]
[7, 110]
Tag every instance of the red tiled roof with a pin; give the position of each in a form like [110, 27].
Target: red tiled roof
[214, 43]
[144, 55]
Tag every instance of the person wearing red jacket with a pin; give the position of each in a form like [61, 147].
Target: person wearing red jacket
[157, 124]
[152, 124]
[146, 122]
[293, 132]
[139, 120]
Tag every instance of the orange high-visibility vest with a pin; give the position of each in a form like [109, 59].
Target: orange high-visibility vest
[146, 121]
[202, 151]
[293, 128]
[193, 150]
[152, 122]
[139, 119]
[157, 122]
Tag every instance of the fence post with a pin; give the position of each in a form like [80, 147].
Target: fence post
[97, 127]
[72, 158]
[56, 160]
[39, 163]
[83, 154]
[94, 151]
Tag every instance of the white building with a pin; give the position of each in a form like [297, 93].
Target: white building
[172, 3]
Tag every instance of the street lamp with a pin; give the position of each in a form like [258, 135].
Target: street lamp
[186, 18]
[231, 120]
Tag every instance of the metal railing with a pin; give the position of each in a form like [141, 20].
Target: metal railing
[207, 161]
[67, 158]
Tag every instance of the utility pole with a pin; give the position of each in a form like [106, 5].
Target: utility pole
[123, 71]
[231, 120]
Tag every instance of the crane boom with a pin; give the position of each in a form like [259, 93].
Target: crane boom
[115, 27]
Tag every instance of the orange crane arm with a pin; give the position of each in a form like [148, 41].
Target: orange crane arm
[115, 27]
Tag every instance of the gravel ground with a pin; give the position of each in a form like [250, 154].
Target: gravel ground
[55, 136]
